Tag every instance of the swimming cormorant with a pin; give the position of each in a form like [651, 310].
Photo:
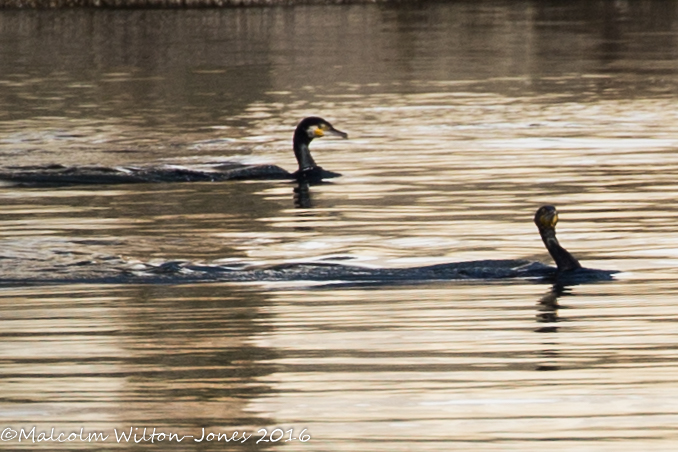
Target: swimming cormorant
[546, 219]
[568, 272]
[308, 129]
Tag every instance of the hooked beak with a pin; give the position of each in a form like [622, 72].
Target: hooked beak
[337, 133]
[551, 219]
[554, 220]
[546, 217]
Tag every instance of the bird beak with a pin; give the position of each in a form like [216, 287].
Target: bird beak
[554, 220]
[337, 133]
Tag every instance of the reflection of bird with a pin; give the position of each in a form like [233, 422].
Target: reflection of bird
[546, 219]
[308, 129]
[302, 195]
[548, 307]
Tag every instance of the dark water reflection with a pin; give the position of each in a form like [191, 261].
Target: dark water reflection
[177, 358]
[464, 117]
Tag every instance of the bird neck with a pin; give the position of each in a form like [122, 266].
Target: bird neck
[564, 260]
[303, 155]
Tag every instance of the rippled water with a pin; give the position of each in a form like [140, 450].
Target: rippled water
[463, 118]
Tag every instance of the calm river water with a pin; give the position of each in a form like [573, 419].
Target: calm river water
[463, 118]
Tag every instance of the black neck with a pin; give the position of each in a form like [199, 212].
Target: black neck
[301, 151]
[564, 260]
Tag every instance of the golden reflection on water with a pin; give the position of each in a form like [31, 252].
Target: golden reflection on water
[457, 135]
[107, 357]
[467, 365]
[482, 366]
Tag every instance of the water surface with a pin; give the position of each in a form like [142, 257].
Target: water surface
[463, 119]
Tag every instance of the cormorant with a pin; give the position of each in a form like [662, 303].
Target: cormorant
[308, 129]
[568, 272]
[546, 219]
